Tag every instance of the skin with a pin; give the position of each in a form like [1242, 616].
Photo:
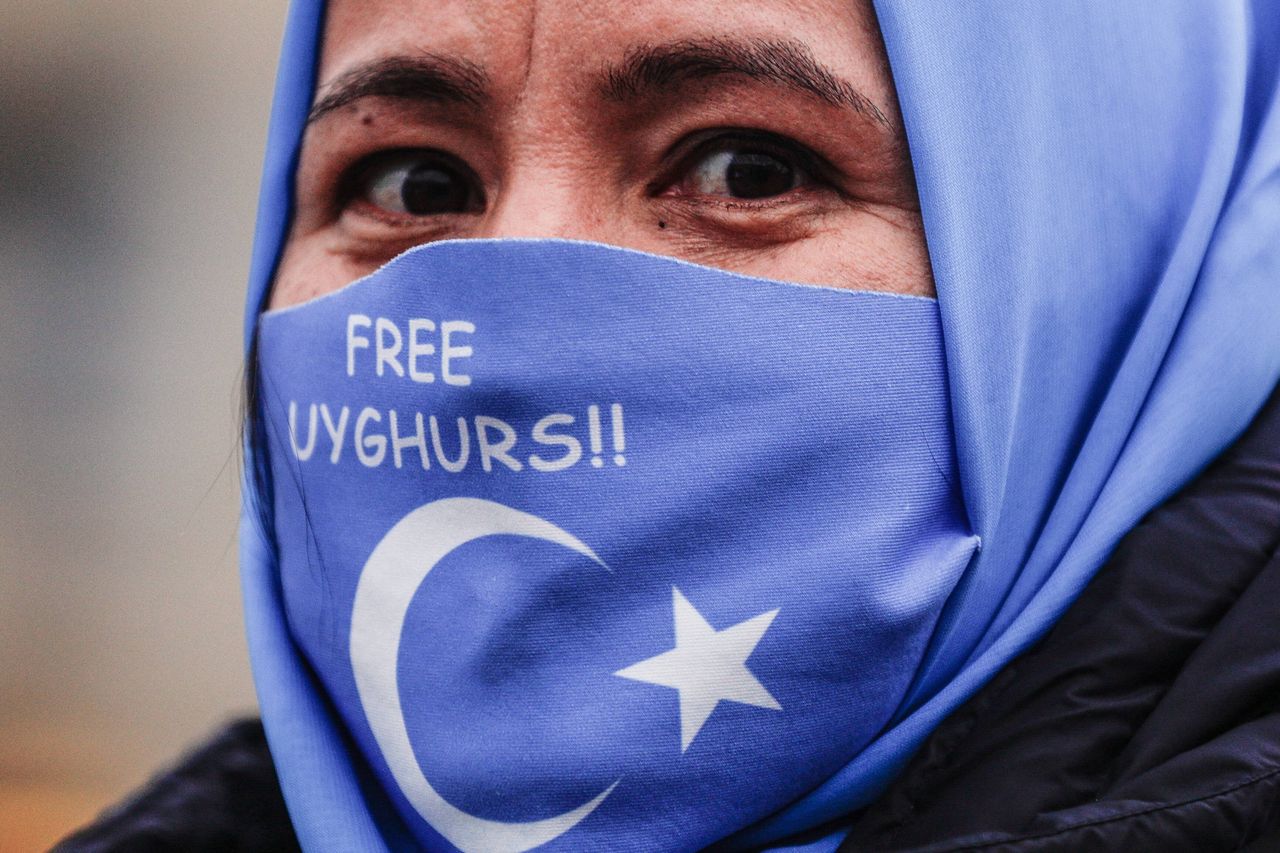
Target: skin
[551, 149]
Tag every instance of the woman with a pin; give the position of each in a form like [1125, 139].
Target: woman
[555, 542]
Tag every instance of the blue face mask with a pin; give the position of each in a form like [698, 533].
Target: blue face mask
[594, 547]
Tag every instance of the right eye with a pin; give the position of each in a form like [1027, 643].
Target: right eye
[418, 183]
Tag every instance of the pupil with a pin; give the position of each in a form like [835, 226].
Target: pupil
[755, 175]
[430, 188]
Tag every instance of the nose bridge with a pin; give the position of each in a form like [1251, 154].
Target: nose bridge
[553, 182]
[544, 199]
[529, 207]
[552, 174]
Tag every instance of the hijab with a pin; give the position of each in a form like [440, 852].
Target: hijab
[1101, 196]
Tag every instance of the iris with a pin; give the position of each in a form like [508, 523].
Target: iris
[420, 185]
[744, 174]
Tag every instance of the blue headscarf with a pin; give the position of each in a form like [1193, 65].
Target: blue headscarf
[1101, 197]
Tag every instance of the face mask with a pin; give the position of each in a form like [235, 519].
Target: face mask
[602, 550]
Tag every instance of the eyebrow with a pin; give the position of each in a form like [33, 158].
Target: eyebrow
[425, 77]
[646, 69]
[790, 64]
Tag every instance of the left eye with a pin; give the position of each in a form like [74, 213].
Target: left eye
[418, 184]
[744, 172]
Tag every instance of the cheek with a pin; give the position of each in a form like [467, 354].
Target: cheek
[308, 270]
[882, 251]
[885, 252]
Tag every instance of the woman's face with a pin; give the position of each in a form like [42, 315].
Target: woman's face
[757, 136]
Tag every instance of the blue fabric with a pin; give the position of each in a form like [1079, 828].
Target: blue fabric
[551, 535]
[1101, 192]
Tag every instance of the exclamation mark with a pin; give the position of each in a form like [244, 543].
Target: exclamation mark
[597, 444]
[619, 436]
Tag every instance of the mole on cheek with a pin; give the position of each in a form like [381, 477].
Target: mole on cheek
[366, 120]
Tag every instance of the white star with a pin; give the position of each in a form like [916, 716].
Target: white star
[707, 666]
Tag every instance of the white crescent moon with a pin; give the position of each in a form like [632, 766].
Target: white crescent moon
[388, 582]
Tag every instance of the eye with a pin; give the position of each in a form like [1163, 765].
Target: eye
[418, 183]
[744, 169]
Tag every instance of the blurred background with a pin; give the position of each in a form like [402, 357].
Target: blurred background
[131, 134]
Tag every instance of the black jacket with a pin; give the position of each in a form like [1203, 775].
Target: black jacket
[1148, 719]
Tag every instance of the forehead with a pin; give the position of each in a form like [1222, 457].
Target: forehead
[517, 40]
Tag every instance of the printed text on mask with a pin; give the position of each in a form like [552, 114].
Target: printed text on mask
[378, 437]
